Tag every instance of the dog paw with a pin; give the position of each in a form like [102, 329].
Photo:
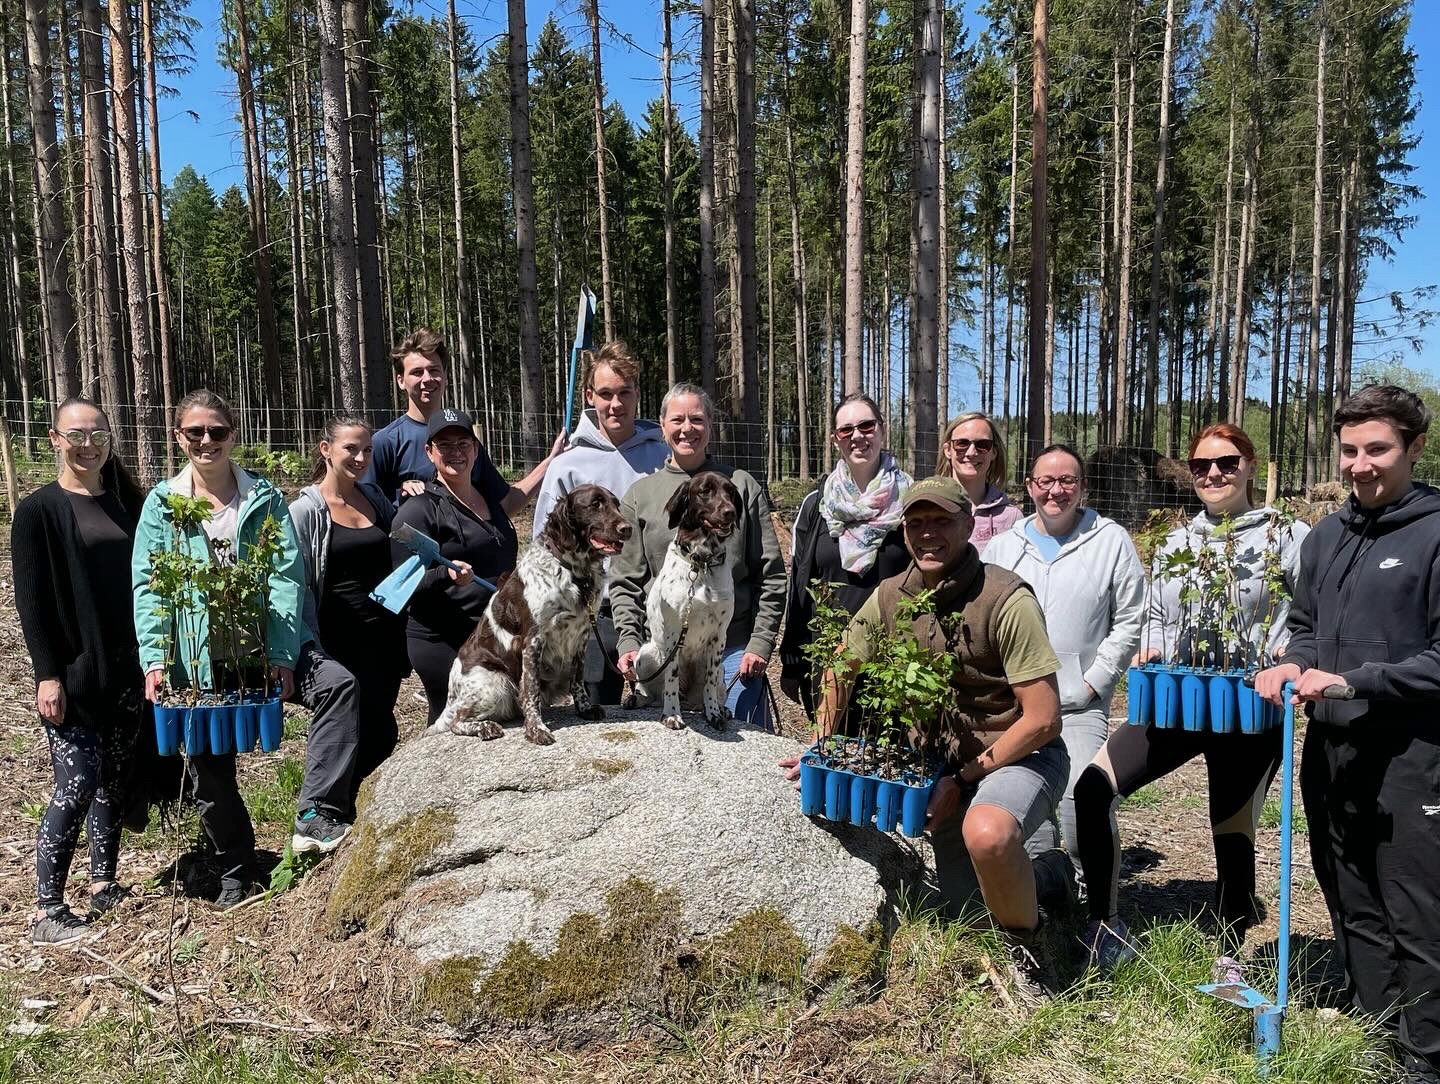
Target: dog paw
[489, 730]
[628, 700]
[717, 721]
[539, 735]
[674, 722]
[594, 711]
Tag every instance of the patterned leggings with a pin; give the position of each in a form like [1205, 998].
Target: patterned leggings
[90, 764]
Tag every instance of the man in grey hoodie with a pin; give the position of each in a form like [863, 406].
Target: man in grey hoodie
[609, 448]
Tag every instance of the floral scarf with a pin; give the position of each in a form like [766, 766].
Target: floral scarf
[860, 519]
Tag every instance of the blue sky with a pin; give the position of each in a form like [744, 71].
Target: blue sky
[209, 140]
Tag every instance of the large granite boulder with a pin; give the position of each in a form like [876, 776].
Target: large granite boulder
[469, 850]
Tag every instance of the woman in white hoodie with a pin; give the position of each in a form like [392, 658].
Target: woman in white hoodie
[1087, 576]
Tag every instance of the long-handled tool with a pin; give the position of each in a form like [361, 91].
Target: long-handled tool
[1270, 1015]
[584, 339]
[394, 591]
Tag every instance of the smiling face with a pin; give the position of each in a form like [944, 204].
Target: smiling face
[1222, 475]
[1057, 487]
[968, 459]
[348, 455]
[936, 538]
[614, 399]
[422, 379]
[1375, 461]
[206, 437]
[453, 452]
[686, 428]
[74, 440]
[859, 436]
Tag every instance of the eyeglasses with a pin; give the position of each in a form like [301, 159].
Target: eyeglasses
[96, 438]
[196, 433]
[1228, 464]
[982, 446]
[1065, 481]
[445, 447]
[865, 428]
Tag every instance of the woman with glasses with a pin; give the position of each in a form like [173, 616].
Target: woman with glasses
[973, 453]
[1087, 576]
[71, 542]
[1239, 766]
[240, 504]
[848, 536]
[470, 524]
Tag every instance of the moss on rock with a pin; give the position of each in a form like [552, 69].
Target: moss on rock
[382, 865]
[611, 765]
[851, 955]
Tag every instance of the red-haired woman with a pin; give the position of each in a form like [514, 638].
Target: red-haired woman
[1239, 766]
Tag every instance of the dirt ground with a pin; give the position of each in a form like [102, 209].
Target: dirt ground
[229, 965]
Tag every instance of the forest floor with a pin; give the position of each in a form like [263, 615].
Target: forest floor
[248, 1009]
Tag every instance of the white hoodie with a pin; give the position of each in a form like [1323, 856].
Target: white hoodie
[590, 457]
[1093, 598]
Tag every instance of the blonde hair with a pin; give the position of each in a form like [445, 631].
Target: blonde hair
[614, 355]
[996, 474]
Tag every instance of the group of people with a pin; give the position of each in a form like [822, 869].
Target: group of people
[1043, 613]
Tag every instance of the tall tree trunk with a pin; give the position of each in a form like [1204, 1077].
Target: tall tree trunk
[772, 445]
[743, 13]
[106, 298]
[926, 233]
[532, 385]
[592, 10]
[942, 359]
[667, 183]
[1123, 353]
[854, 275]
[797, 284]
[1223, 406]
[707, 196]
[55, 263]
[462, 281]
[1039, 235]
[299, 256]
[161, 279]
[14, 305]
[364, 128]
[1011, 224]
[125, 87]
[340, 201]
[1312, 384]
[1152, 337]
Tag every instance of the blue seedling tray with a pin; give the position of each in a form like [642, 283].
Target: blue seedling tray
[839, 794]
[219, 728]
[1197, 698]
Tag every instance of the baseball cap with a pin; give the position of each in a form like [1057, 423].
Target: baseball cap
[945, 493]
[448, 418]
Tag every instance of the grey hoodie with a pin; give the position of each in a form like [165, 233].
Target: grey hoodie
[1255, 532]
[1093, 597]
[590, 457]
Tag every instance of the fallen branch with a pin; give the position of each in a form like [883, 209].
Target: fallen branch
[998, 981]
[157, 995]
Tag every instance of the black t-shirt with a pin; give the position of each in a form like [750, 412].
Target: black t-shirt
[354, 627]
[107, 533]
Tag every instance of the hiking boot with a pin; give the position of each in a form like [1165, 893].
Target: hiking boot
[60, 926]
[1108, 945]
[1228, 970]
[107, 899]
[236, 886]
[1031, 968]
[1055, 887]
[317, 832]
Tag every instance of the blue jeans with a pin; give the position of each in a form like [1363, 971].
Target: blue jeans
[746, 698]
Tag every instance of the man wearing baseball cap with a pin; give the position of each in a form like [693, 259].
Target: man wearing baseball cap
[999, 733]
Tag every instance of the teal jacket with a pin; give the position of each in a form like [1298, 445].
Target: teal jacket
[286, 633]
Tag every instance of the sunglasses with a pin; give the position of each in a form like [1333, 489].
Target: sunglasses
[962, 445]
[1228, 464]
[196, 433]
[865, 428]
[97, 438]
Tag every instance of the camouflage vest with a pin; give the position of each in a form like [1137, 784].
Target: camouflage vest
[966, 607]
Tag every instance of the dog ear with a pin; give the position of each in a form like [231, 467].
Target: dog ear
[559, 530]
[732, 491]
[678, 505]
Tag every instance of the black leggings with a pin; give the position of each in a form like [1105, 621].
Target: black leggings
[1239, 766]
[90, 764]
[432, 658]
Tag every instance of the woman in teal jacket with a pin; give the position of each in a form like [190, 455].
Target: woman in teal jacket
[240, 505]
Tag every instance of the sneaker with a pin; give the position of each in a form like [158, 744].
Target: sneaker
[1055, 886]
[233, 891]
[1031, 968]
[1228, 970]
[316, 832]
[107, 899]
[1108, 945]
[60, 926]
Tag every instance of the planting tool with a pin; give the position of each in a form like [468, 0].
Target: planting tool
[584, 339]
[394, 591]
[1270, 1015]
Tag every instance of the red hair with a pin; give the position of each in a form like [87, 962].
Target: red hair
[1225, 431]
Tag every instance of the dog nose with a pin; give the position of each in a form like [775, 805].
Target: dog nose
[625, 530]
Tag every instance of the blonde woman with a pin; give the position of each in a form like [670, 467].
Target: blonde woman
[972, 452]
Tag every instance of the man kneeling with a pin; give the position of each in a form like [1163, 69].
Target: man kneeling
[1000, 731]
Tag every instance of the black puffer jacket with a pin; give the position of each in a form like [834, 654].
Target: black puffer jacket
[1367, 607]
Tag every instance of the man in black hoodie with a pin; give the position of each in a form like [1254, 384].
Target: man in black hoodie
[1367, 614]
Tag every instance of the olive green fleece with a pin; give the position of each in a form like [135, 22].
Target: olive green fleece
[753, 557]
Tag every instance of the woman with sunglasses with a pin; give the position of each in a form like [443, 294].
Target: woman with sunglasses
[1087, 576]
[240, 504]
[1239, 766]
[848, 536]
[470, 524]
[71, 543]
[973, 453]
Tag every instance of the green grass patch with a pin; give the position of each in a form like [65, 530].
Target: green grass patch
[273, 802]
[297, 725]
[1147, 797]
[1270, 816]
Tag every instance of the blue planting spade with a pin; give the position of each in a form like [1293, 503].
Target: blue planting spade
[584, 339]
[394, 591]
[1270, 1015]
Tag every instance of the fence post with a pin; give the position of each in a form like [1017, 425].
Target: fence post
[1272, 482]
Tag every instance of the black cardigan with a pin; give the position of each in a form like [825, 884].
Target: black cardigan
[53, 594]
